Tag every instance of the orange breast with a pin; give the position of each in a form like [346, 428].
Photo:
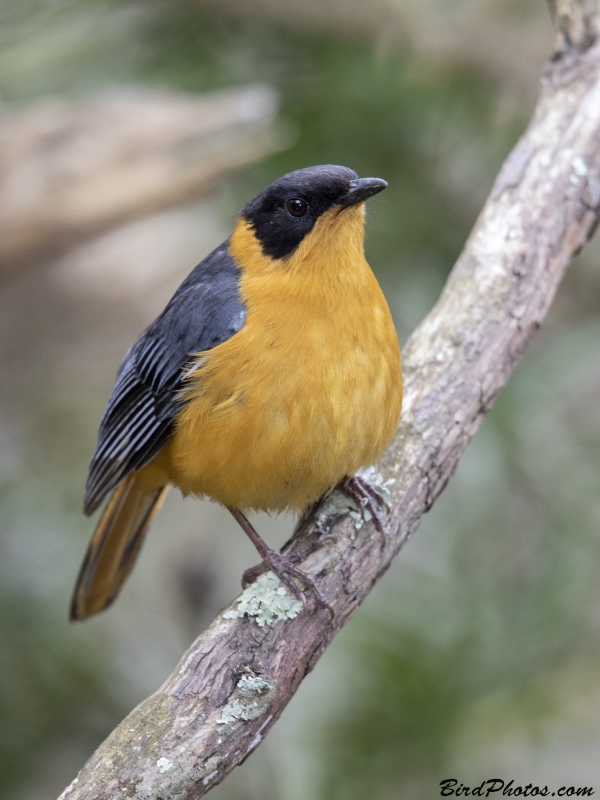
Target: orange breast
[307, 392]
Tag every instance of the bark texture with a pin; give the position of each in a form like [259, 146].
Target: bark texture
[237, 677]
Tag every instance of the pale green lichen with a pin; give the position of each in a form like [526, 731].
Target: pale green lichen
[235, 710]
[267, 600]
[253, 683]
[250, 698]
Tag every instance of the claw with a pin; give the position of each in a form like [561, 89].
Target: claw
[365, 497]
[283, 566]
[288, 573]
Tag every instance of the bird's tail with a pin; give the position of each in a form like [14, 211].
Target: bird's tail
[115, 546]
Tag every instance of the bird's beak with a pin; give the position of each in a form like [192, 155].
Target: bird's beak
[361, 189]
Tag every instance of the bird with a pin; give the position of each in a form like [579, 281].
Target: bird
[272, 376]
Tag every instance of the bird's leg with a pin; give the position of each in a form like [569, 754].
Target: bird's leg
[281, 565]
[366, 498]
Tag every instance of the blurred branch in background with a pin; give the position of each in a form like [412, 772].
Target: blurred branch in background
[69, 171]
[233, 683]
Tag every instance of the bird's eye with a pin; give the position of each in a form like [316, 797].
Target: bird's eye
[296, 207]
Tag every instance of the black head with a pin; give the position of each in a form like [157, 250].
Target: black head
[284, 212]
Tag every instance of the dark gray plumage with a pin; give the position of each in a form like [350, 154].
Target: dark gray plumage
[138, 421]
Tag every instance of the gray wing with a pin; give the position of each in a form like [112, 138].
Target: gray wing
[138, 420]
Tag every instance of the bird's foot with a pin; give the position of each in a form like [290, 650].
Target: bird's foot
[367, 498]
[282, 565]
[286, 570]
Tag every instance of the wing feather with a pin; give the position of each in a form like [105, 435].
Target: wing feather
[139, 417]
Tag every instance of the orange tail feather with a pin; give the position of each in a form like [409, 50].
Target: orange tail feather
[115, 546]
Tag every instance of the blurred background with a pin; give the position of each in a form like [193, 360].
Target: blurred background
[130, 135]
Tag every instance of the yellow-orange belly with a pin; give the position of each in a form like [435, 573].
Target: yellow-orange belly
[306, 393]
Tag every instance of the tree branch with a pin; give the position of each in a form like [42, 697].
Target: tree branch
[70, 171]
[237, 677]
[577, 24]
